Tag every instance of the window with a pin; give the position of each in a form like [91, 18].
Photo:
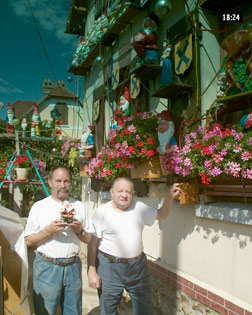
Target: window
[63, 110]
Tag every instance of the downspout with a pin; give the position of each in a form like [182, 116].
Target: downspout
[197, 59]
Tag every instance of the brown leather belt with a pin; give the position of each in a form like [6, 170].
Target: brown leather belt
[113, 259]
[57, 261]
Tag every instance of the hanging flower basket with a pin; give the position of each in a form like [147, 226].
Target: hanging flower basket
[22, 174]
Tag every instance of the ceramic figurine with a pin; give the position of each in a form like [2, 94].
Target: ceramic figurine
[10, 118]
[165, 132]
[238, 44]
[145, 41]
[167, 72]
[87, 142]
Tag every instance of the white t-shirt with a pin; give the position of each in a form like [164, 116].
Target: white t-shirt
[63, 243]
[120, 232]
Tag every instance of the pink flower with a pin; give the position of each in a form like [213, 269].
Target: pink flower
[216, 171]
[245, 155]
[131, 128]
[237, 148]
[249, 173]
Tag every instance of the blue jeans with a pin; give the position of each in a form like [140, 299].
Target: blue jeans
[133, 277]
[54, 285]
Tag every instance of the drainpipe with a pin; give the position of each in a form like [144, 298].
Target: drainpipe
[197, 58]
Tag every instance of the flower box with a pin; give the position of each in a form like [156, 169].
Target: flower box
[189, 193]
[228, 186]
[147, 169]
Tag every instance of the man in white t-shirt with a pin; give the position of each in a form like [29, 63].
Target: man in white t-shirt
[115, 253]
[56, 225]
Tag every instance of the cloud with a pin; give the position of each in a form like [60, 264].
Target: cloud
[8, 89]
[51, 16]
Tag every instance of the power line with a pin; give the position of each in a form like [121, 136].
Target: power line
[43, 45]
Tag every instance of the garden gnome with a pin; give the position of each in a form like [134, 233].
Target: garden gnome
[24, 125]
[10, 118]
[36, 119]
[145, 41]
[165, 132]
[87, 142]
[33, 130]
[124, 103]
[123, 111]
[167, 72]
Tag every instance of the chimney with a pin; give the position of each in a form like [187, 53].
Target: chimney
[47, 87]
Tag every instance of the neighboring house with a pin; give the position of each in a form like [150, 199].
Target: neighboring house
[200, 257]
[55, 94]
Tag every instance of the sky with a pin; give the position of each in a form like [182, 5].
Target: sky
[23, 62]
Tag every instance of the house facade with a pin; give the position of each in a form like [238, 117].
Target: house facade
[55, 95]
[199, 257]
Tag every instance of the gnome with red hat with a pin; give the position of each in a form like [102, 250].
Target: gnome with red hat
[165, 132]
[123, 111]
[36, 119]
[124, 103]
[10, 118]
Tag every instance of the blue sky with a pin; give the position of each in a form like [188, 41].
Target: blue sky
[23, 62]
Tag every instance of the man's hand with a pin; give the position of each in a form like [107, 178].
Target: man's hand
[42, 236]
[94, 280]
[175, 190]
[165, 210]
[76, 226]
[56, 226]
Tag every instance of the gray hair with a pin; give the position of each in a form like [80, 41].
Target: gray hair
[54, 168]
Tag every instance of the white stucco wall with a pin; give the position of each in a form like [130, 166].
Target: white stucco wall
[211, 253]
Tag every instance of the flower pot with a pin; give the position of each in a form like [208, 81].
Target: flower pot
[22, 174]
[189, 193]
[147, 169]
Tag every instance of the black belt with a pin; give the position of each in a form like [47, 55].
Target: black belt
[57, 261]
[112, 258]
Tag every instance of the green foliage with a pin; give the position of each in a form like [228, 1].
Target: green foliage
[47, 150]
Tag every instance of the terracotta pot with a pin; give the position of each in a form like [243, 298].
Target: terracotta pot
[22, 174]
[148, 169]
[189, 193]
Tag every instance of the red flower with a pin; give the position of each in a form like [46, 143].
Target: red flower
[150, 140]
[198, 145]
[108, 172]
[109, 158]
[121, 134]
[131, 149]
[150, 153]
[205, 179]
[206, 150]
[226, 133]
[143, 151]
[119, 164]
[139, 114]
[140, 144]
[126, 131]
